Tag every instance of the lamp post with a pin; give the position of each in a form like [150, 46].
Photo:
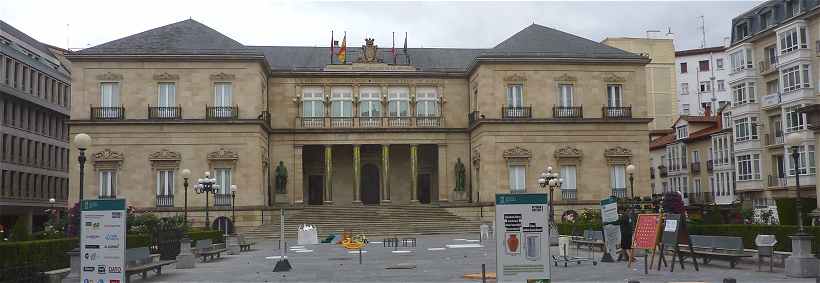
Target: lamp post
[551, 180]
[82, 141]
[800, 263]
[51, 202]
[233, 207]
[631, 170]
[206, 186]
[185, 175]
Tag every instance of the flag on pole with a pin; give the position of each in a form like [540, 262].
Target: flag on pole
[393, 50]
[405, 48]
[332, 51]
[343, 50]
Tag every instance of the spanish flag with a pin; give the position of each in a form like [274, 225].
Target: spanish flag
[343, 50]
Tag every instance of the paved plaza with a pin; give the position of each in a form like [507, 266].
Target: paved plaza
[331, 263]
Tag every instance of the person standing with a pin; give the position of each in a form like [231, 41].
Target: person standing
[627, 222]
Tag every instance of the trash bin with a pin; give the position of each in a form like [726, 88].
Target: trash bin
[765, 248]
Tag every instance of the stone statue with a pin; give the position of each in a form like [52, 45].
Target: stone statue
[281, 177]
[461, 175]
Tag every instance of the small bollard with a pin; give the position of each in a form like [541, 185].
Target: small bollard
[483, 274]
[729, 280]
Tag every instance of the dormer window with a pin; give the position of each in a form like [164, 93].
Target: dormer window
[765, 19]
[742, 30]
[682, 132]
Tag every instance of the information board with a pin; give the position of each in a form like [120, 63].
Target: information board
[646, 231]
[522, 241]
[612, 232]
[102, 245]
[671, 226]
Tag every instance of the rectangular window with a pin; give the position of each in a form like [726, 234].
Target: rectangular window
[223, 179]
[109, 94]
[719, 63]
[788, 41]
[565, 95]
[398, 102]
[515, 95]
[795, 120]
[568, 174]
[744, 93]
[684, 88]
[426, 102]
[705, 87]
[223, 93]
[746, 129]
[748, 167]
[685, 109]
[370, 102]
[703, 65]
[721, 85]
[517, 178]
[683, 68]
[617, 177]
[108, 183]
[695, 156]
[341, 102]
[165, 182]
[806, 161]
[614, 95]
[741, 60]
[313, 102]
[682, 132]
[167, 95]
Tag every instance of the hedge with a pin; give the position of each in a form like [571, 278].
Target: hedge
[46, 254]
[216, 236]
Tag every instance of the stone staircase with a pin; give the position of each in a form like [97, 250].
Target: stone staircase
[374, 221]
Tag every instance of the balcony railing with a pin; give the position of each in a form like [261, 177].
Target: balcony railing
[768, 65]
[700, 198]
[516, 112]
[710, 165]
[370, 122]
[221, 112]
[222, 200]
[568, 112]
[619, 192]
[107, 113]
[776, 139]
[155, 112]
[473, 117]
[775, 181]
[165, 200]
[663, 172]
[695, 167]
[616, 112]
[568, 195]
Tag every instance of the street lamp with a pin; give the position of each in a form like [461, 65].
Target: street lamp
[631, 170]
[551, 180]
[801, 241]
[185, 175]
[82, 141]
[207, 186]
[233, 207]
[794, 141]
[51, 202]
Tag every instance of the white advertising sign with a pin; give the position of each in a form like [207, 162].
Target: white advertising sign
[522, 243]
[102, 244]
[612, 232]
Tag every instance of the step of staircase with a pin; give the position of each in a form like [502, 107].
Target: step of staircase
[373, 221]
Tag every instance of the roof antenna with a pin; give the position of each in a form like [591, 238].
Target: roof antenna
[67, 38]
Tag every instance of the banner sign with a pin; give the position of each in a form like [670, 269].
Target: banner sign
[102, 244]
[522, 243]
[646, 231]
[612, 232]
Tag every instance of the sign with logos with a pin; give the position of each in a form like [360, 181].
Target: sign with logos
[522, 243]
[646, 231]
[102, 244]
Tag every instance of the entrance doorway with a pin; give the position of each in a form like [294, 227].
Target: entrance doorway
[424, 188]
[370, 184]
[316, 189]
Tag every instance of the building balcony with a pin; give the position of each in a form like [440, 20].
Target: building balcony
[770, 101]
[370, 122]
[652, 172]
[767, 66]
[616, 112]
[163, 113]
[742, 74]
[743, 108]
[774, 140]
[710, 166]
[700, 198]
[750, 144]
[776, 182]
[695, 167]
[516, 112]
[221, 112]
[473, 117]
[568, 112]
[619, 192]
[222, 200]
[798, 94]
[165, 200]
[107, 113]
[795, 55]
[569, 195]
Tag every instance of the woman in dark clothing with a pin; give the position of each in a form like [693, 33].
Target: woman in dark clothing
[627, 222]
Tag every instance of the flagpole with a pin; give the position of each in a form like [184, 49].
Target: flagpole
[394, 48]
[331, 47]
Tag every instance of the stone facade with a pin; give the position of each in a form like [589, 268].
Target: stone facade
[319, 123]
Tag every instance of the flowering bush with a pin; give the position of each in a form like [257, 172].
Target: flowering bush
[673, 203]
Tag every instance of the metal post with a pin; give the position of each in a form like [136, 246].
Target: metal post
[360, 255]
[185, 186]
[207, 220]
[233, 210]
[483, 273]
[552, 211]
[798, 204]
[81, 159]
[632, 184]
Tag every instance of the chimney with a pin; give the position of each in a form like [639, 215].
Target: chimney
[707, 109]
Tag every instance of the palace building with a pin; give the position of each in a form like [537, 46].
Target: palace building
[297, 126]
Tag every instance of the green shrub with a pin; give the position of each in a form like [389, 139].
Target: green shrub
[19, 232]
[137, 240]
[215, 235]
[46, 254]
[787, 213]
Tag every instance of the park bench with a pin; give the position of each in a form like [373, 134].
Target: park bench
[244, 244]
[140, 260]
[207, 250]
[716, 247]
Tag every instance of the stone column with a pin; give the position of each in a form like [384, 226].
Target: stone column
[298, 188]
[385, 173]
[443, 177]
[414, 173]
[357, 174]
[328, 174]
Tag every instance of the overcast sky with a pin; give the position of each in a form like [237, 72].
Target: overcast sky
[429, 24]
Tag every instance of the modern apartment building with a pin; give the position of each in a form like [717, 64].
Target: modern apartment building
[773, 73]
[661, 94]
[34, 106]
[702, 80]
[440, 126]
[695, 159]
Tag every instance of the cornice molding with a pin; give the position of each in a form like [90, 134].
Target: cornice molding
[109, 76]
[223, 154]
[108, 155]
[566, 78]
[568, 152]
[613, 78]
[617, 151]
[517, 153]
[166, 77]
[165, 155]
[223, 77]
[515, 78]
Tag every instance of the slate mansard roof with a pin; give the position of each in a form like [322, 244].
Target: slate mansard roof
[190, 37]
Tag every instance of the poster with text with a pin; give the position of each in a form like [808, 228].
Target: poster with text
[646, 231]
[522, 239]
[102, 245]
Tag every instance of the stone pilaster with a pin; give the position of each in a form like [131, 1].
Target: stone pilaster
[298, 194]
[357, 174]
[328, 174]
[414, 173]
[386, 173]
[443, 177]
